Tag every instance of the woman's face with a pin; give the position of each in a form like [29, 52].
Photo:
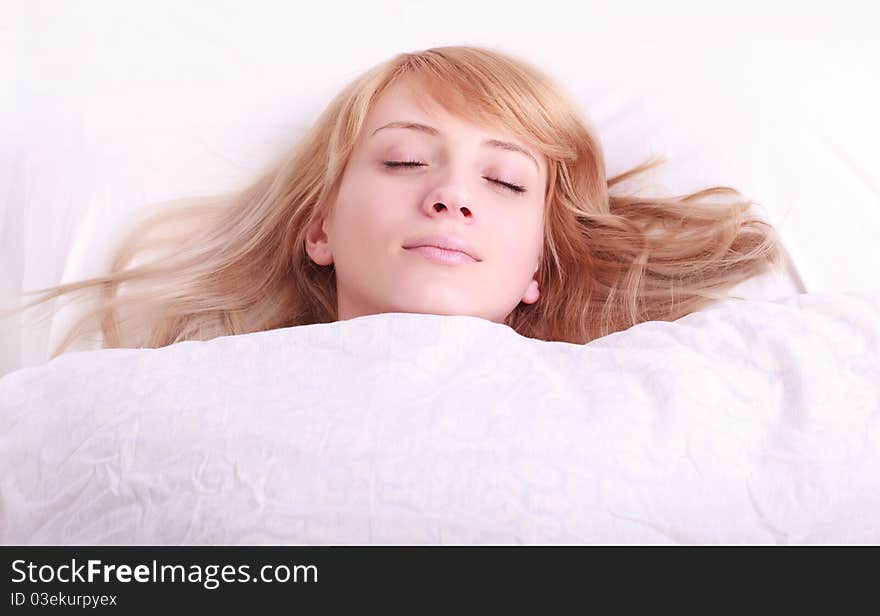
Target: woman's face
[383, 212]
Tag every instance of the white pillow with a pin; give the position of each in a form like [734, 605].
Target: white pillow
[128, 106]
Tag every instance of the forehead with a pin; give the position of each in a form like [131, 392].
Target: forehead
[403, 103]
[404, 98]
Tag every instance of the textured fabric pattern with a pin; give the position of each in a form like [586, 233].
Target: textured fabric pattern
[748, 422]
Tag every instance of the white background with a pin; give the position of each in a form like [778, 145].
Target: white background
[107, 107]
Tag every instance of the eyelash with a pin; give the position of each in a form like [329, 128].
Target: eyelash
[516, 188]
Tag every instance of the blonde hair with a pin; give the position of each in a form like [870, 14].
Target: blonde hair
[236, 263]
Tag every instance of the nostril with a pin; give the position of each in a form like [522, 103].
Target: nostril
[440, 207]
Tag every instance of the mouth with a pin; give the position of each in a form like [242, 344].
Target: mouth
[445, 248]
[442, 255]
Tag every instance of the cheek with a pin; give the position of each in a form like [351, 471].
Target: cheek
[368, 207]
[520, 242]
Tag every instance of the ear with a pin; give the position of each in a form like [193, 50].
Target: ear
[318, 244]
[532, 293]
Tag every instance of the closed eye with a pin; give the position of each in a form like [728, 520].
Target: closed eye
[414, 163]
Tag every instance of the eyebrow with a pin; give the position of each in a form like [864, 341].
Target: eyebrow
[430, 130]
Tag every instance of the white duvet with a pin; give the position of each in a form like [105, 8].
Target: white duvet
[748, 422]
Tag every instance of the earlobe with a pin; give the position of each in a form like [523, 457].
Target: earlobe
[318, 244]
[532, 293]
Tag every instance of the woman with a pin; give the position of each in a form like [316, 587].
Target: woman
[455, 180]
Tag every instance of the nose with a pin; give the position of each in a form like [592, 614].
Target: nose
[450, 199]
[441, 207]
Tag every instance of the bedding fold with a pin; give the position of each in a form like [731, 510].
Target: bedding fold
[747, 422]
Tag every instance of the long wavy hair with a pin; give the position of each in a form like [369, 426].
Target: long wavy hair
[236, 263]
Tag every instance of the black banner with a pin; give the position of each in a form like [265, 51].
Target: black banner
[145, 579]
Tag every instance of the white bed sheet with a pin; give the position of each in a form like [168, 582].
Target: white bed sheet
[749, 422]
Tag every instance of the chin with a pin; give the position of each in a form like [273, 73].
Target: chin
[439, 308]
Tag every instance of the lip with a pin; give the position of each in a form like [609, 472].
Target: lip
[449, 245]
[441, 255]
